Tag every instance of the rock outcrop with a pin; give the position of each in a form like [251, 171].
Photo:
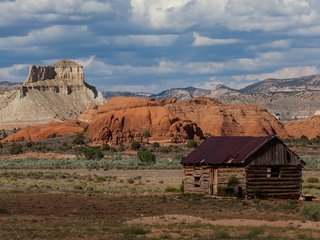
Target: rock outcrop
[50, 93]
[309, 127]
[46, 130]
[123, 119]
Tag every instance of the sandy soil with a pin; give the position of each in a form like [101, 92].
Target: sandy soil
[176, 219]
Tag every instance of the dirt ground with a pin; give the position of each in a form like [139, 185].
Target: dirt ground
[46, 212]
[38, 215]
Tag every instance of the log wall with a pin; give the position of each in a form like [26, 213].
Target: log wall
[205, 175]
[287, 185]
[222, 176]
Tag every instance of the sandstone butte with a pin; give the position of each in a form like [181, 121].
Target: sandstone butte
[123, 119]
[309, 127]
[50, 93]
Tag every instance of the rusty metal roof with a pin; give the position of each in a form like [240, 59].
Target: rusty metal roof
[225, 150]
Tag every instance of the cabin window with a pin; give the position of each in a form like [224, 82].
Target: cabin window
[273, 172]
[289, 157]
[197, 181]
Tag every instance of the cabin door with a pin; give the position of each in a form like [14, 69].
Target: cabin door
[211, 182]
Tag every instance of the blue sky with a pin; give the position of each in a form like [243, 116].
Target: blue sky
[153, 45]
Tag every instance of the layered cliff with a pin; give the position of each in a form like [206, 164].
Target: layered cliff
[50, 93]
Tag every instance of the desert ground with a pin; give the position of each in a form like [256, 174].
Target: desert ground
[136, 204]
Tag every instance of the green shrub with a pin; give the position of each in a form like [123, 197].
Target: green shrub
[122, 148]
[257, 193]
[233, 181]
[146, 134]
[16, 148]
[313, 180]
[135, 145]
[311, 212]
[90, 153]
[155, 145]
[79, 139]
[191, 143]
[106, 147]
[146, 157]
[1, 145]
[29, 144]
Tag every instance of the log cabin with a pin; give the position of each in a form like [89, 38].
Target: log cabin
[256, 166]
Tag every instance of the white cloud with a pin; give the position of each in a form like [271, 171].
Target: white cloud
[140, 40]
[234, 14]
[287, 72]
[12, 12]
[45, 35]
[278, 44]
[206, 41]
[14, 73]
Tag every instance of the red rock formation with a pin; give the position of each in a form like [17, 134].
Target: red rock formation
[217, 119]
[124, 119]
[45, 131]
[309, 127]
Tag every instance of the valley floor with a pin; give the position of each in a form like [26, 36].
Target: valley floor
[136, 204]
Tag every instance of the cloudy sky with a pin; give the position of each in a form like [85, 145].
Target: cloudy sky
[152, 45]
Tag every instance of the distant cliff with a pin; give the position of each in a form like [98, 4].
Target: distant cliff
[56, 92]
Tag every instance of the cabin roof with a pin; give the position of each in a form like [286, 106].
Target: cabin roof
[226, 150]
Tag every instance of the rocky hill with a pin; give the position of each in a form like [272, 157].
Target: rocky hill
[55, 92]
[6, 86]
[309, 127]
[301, 84]
[123, 119]
[286, 98]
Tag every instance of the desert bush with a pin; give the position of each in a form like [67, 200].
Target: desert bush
[233, 181]
[79, 139]
[90, 153]
[106, 147]
[16, 148]
[121, 148]
[29, 144]
[146, 157]
[146, 134]
[155, 145]
[311, 212]
[313, 180]
[135, 145]
[191, 143]
[257, 192]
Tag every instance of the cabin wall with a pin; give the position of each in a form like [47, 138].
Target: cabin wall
[274, 153]
[197, 179]
[222, 176]
[274, 181]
